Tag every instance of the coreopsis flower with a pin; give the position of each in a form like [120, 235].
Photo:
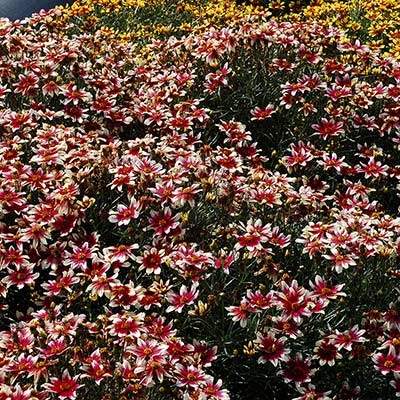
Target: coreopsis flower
[151, 260]
[300, 156]
[310, 393]
[148, 350]
[332, 161]
[346, 339]
[21, 364]
[241, 313]
[308, 108]
[255, 234]
[147, 371]
[74, 95]
[189, 259]
[288, 100]
[103, 104]
[282, 64]
[249, 241]
[150, 298]
[308, 55]
[260, 301]
[18, 393]
[125, 295]
[229, 159]
[147, 167]
[187, 195]
[278, 239]
[55, 347]
[286, 326]
[297, 370]
[341, 261]
[27, 85]
[293, 300]
[272, 349]
[236, 132]
[178, 350]
[38, 179]
[120, 253]
[392, 340]
[337, 92]
[64, 387]
[322, 291]
[387, 363]
[126, 323]
[162, 222]
[180, 122]
[203, 353]
[368, 151]
[54, 287]
[185, 297]
[213, 390]
[67, 326]
[189, 376]
[225, 260]
[79, 256]
[18, 120]
[51, 88]
[127, 370]
[94, 367]
[13, 256]
[328, 129]
[268, 196]
[293, 88]
[339, 237]
[313, 245]
[124, 214]
[163, 192]
[217, 79]
[20, 276]
[73, 112]
[157, 115]
[327, 352]
[159, 329]
[373, 169]
[263, 113]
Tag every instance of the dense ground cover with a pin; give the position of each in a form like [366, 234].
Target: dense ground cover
[206, 215]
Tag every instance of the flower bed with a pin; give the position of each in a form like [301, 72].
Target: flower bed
[209, 216]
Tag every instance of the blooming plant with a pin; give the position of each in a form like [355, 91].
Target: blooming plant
[203, 216]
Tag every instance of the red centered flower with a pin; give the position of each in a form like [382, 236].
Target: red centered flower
[189, 376]
[322, 291]
[327, 352]
[185, 297]
[329, 128]
[65, 387]
[294, 300]
[272, 349]
[125, 214]
[387, 363]
[163, 222]
[262, 113]
[298, 370]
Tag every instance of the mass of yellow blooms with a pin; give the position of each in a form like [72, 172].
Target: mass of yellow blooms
[374, 22]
